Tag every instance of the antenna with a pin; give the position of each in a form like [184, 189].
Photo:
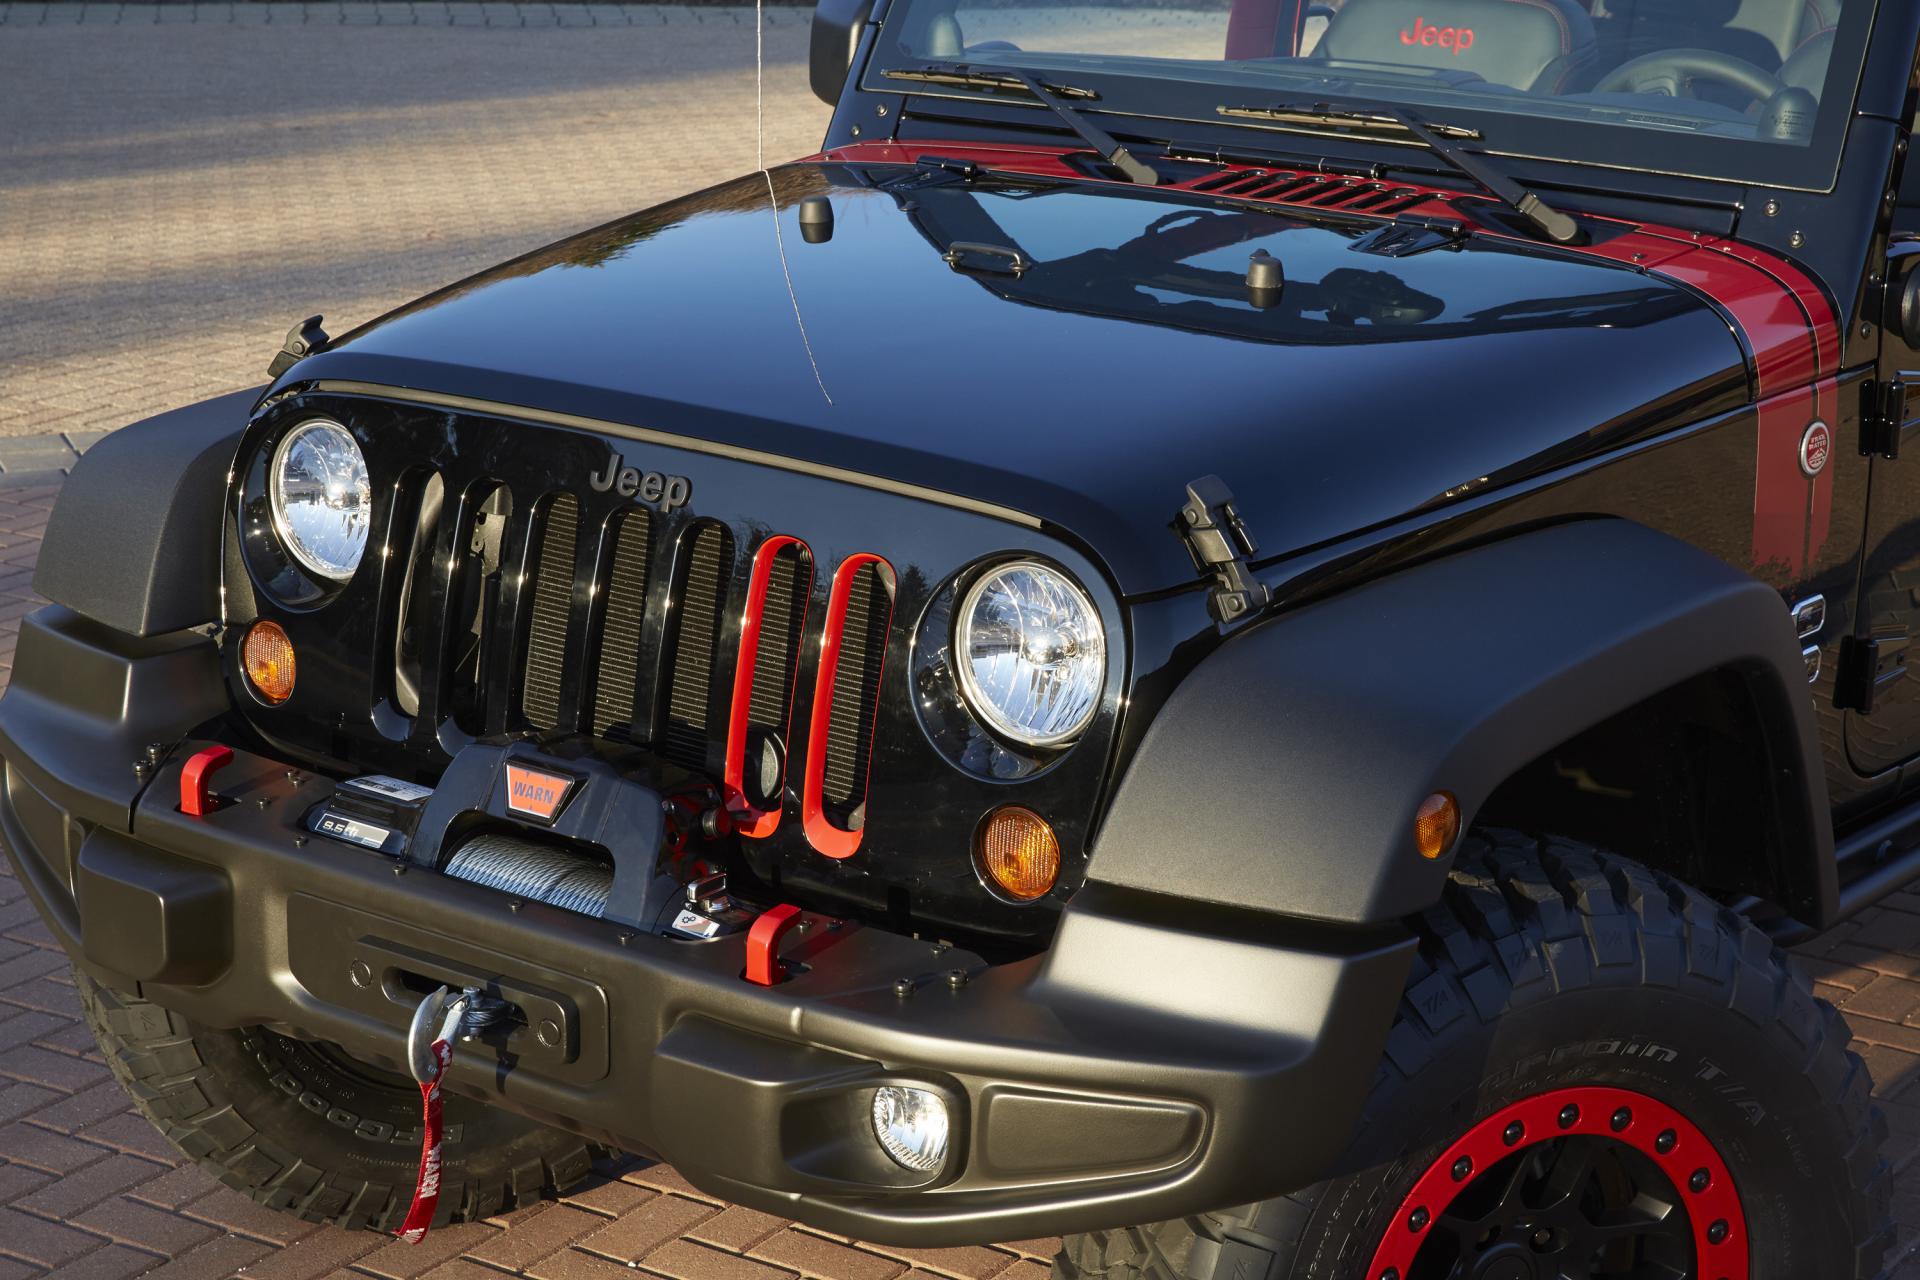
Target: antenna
[759, 83]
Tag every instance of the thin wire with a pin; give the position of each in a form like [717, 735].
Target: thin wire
[780, 241]
[759, 84]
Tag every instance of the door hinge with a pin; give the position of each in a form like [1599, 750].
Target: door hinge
[1221, 545]
[1867, 664]
[1883, 412]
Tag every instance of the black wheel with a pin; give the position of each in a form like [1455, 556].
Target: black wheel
[1595, 1074]
[303, 1128]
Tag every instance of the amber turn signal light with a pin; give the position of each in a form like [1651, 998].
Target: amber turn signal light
[267, 656]
[1436, 825]
[1018, 853]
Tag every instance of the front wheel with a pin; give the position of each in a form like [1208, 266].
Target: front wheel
[1595, 1074]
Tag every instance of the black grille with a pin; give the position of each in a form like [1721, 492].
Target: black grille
[856, 695]
[552, 614]
[696, 639]
[620, 629]
[545, 672]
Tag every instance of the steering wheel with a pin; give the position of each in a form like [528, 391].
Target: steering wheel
[1672, 70]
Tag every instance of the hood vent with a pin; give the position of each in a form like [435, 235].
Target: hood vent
[1318, 190]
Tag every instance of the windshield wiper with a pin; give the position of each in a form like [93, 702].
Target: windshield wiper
[1050, 96]
[1439, 139]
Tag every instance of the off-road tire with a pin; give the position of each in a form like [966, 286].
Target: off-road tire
[302, 1129]
[1540, 956]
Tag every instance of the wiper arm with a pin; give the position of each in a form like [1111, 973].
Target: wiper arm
[1050, 96]
[1439, 139]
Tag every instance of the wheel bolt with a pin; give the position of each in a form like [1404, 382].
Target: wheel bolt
[1664, 1144]
[1700, 1181]
[1513, 1133]
[1621, 1119]
[1717, 1233]
[1417, 1220]
[1391, 1273]
[1569, 1116]
[1462, 1167]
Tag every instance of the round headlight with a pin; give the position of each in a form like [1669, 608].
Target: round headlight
[1032, 654]
[322, 498]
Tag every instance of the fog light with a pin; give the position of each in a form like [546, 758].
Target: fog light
[911, 1126]
[267, 655]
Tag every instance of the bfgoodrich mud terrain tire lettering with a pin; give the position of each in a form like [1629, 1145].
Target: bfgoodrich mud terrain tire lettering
[309, 1132]
[1550, 970]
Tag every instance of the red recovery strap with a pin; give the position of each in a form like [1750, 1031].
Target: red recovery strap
[426, 1186]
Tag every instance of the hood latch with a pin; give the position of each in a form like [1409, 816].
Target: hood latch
[302, 341]
[1221, 545]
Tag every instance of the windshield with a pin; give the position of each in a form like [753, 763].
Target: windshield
[1754, 91]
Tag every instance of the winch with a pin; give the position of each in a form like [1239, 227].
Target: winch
[564, 823]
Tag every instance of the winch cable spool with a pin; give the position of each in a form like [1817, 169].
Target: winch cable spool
[537, 872]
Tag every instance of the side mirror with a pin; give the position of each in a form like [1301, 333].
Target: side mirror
[836, 36]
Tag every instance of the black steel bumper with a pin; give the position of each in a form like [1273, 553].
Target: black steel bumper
[1153, 1063]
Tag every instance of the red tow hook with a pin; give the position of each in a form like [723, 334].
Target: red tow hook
[196, 796]
[763, 944]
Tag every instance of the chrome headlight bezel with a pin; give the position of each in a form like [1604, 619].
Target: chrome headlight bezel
[982, 703]
[313, 562]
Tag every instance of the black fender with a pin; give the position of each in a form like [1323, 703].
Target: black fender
[134, 541]
[1284, 773]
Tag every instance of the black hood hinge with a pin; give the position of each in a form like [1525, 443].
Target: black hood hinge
[1221, 545]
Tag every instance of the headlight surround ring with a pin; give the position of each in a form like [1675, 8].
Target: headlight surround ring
[1047, 626]
[332, 476]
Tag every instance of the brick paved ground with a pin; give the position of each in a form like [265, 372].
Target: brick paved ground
[176, 187]
[180, 184]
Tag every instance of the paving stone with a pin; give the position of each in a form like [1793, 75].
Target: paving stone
[131, 1222]
[640, 1232]
[51, 1244]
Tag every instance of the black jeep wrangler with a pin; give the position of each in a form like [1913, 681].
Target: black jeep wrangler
[1255, 618]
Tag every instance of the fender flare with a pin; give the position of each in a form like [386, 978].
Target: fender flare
[1284, 772]
[134, 541]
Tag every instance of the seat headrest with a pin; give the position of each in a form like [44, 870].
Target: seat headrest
[1525, 44]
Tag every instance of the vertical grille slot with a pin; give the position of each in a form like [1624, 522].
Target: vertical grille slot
[552, 609]
[475, 602]
[754, 774]
[781, 617]
[418, 526]
[696, 635]
[853, 651]
[626, 609]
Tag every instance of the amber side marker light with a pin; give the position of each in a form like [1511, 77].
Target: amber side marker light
[1018, 853]
[267, 656]
[1436, 825]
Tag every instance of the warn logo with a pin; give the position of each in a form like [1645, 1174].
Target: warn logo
[1458, 39]
[534, 794]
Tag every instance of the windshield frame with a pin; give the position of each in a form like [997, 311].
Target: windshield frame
[1128, 88]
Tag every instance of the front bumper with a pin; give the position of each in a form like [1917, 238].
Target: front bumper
[1155, 1062]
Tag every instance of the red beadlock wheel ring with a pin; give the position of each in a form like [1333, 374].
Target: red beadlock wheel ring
[1592, 1112]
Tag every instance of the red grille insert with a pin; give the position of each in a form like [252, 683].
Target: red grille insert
[778, 655]
[844, 710]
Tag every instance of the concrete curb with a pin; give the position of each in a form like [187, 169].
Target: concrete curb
[428, 13]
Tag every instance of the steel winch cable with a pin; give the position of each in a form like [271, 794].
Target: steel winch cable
[539, 872]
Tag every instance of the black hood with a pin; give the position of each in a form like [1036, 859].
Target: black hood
[1120, 357]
